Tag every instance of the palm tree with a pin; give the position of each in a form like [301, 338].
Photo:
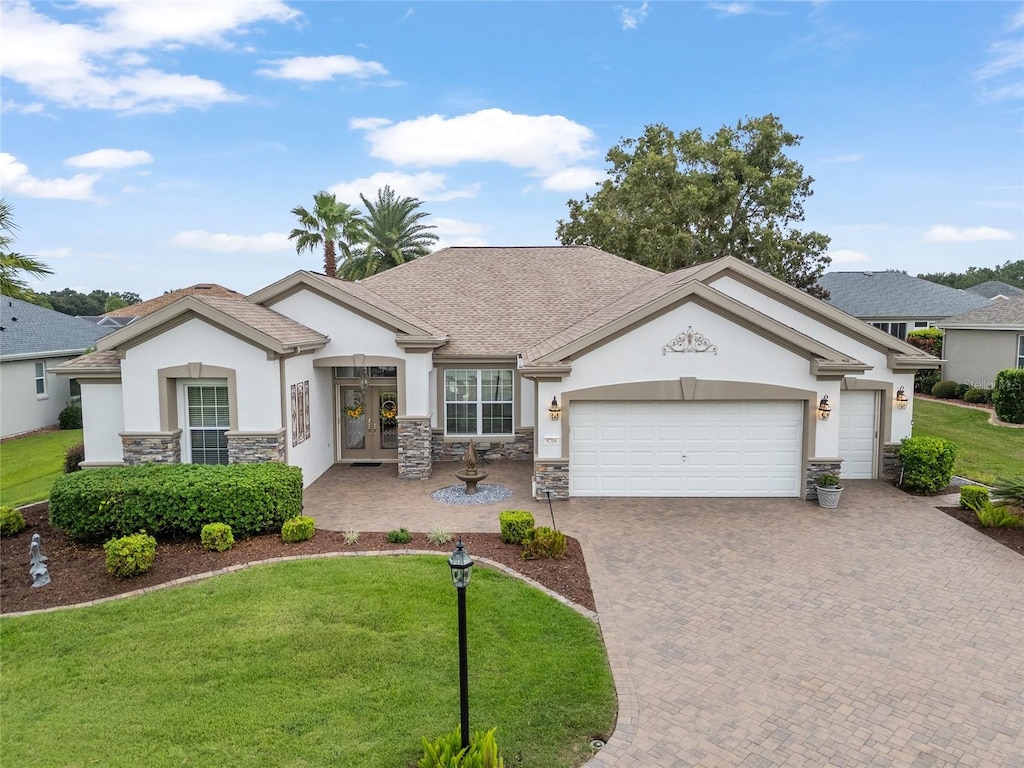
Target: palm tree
[393, 235]
[13, 265]
[329, 223]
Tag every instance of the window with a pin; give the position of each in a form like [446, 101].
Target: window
[1020, 351]
[893, 328]
[40, 379]
[208, 423]
[478, 401]
[922, 324]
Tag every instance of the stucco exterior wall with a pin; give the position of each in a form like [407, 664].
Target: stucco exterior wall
[103, 421]
[976, 356]
[349, 332]
[21, 409]
[315, 454]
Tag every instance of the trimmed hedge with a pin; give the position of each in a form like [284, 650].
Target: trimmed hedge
[515, 524]
[978, 395]
[927, 463]
[12, 522]
[1008, 395]
[945, 389]
[70, 418]
[130, 555]
[972, 495]
[296, 529]
[216, 537]
[175, 499]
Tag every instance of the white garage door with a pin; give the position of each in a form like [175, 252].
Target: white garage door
[857, 428]
[686, 448]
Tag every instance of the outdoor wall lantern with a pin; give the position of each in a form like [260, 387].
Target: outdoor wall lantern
[364, 378]
[901, 399]
[824, 409]
[461, 565]
[554, 411]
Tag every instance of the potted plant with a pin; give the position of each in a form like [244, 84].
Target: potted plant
[829, 490]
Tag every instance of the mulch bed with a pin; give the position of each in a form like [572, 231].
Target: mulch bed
[78, 572]
[1008, 537]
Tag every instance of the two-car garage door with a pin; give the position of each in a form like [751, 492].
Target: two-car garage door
[692, 448]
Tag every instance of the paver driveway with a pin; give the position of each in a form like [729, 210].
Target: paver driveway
[771, 632]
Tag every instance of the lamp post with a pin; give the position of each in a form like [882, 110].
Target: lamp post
[461, 566]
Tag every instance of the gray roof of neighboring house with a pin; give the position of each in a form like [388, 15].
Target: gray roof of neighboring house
[893, 295]
[1007, 314]
[33, 331]
[992, 288]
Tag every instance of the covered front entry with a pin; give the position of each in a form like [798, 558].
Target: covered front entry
[693, 448]
[367, 423]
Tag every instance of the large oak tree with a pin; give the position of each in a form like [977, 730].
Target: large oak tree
[677, 199]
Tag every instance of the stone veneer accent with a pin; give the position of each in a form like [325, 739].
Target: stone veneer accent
[251, 448]
[156, 448]
[551, 475]
[517, 448]
[816, 469]
[891, 462]
[415, 461]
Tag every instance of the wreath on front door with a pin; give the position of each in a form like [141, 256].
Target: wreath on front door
[354, 411]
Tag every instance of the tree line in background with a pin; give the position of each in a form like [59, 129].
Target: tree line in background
[1011, 273]
[71, 302]
[389, 234]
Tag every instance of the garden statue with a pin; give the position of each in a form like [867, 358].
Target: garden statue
[38, 571]
[470, 475]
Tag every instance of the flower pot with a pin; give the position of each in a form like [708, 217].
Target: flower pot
[829, 497]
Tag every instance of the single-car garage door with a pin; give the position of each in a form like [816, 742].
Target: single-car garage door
[858, 412]
[694, 448]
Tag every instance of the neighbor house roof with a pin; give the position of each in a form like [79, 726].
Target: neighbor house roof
[893, 295]
[1005, 314]
[33, 331]
[992, 288]
[149, 307]
[499, 301]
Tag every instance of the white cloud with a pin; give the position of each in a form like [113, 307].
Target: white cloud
[368, 123]
[201, 240]
[32, 108]
[732, 9]
[945, 234]
[16, 180]
[454, 232]
[574, 179]
[1002, 76]
[545, 144]
[427, 186]
[95, 64]
[110, 158]
[318, 68]
[631, 18]
[52, 253]
[850, 158]
[848, 257]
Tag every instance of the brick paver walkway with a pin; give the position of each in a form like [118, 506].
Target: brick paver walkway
[771, 632]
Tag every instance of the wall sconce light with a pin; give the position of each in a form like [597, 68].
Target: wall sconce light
[824, 409]
[364, 378]
[554, 411]
[901, 399]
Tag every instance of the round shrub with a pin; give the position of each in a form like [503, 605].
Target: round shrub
[298, 529]
[399, 536]
[130, 555]
[927, 463]
[945, 389]
[74, 456]
[12, 522]
[923, 382]
[961, 390]
[70, 418]
[973, 496]
[216, 537]
[976, 395]
[515, 525]
[1008, 395]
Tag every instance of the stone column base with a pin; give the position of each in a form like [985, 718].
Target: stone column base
[891, 462]
[551, 475]
[414, 461]
[151, 447]
[815, 469]
[252, 447]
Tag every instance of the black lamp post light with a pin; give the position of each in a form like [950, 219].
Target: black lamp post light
[461, 565]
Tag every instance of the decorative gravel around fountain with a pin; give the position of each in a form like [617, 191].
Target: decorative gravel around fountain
[485, 494]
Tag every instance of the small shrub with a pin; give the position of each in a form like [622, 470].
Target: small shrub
[927, 463]
[927, 339]
[544, 542]
[217, 537]
[1009, 491]
[351, 537]
[12, 522]
[994, 516]
[515, 525]
[438, 536]
[399, 536]
[70, 418]
[976, 395]
[1008, 395]
[972, 494]
[925, 380]
[74, 456]
[130, 555]
[945, 389]
[298, 529]
[828, 480]
[961, 390]
[447, 752]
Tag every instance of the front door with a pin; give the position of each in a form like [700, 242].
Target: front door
[368, 424]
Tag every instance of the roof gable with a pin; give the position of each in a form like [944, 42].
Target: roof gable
[33, 331]
[1007, 314]
[990, 289]
[144, 308]
[890, 295]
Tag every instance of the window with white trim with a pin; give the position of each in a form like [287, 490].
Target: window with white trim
[40, 379]
[1020, 351]
[478, 401]
[208, 422]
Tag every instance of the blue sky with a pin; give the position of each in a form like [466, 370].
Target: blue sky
[146, 146]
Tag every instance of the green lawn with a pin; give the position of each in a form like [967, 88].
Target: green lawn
[987, 452]
[340, 662]
[29, 465]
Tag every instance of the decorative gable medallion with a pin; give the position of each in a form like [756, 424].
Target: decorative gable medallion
[690, 341]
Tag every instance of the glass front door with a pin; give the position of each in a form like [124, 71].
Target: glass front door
[369, 423]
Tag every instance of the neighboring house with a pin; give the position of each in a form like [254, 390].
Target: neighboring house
[612, 378]
[895, 302]
[995, 289]
[981, 343]
[33, 340]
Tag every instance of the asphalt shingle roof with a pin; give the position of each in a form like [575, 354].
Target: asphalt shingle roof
[992, 288]
[149, 307]
[1004, 313]
[284, 330]
[892, 295]
[41, 331]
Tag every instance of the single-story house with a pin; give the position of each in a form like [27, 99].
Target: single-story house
[612, 378]
[981, 343]
[995, 289]
[895, 302]
[33, 340]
